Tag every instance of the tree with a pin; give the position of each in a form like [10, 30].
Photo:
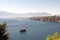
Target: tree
[3, 33]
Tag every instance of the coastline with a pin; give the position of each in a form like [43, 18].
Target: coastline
[47, 19]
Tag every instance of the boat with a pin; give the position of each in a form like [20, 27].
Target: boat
[23, 30]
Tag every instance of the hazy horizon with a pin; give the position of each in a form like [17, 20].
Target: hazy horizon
[26, 6]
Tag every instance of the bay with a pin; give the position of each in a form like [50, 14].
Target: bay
[36, 30]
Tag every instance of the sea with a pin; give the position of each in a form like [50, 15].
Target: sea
[36, 30]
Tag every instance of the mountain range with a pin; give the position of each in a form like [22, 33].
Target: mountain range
[4, 14]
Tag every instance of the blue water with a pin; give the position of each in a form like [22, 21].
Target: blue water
[36, 30]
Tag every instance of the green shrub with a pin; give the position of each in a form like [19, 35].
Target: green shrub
[56, 36]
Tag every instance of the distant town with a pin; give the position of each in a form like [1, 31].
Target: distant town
[47, 18]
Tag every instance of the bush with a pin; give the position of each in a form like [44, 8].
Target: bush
[56, 36]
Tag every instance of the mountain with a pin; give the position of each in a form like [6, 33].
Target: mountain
[57, 15]
[4, 14]
[40, 14]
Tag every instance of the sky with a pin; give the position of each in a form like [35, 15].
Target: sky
[27, 6]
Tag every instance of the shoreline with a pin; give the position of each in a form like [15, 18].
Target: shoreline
[46, 19]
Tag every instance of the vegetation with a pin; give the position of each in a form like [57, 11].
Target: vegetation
[56, 36]
[3, 33]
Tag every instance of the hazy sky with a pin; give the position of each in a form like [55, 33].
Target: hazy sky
[26, 6]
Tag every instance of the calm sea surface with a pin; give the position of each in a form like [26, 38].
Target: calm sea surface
[36, 30]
